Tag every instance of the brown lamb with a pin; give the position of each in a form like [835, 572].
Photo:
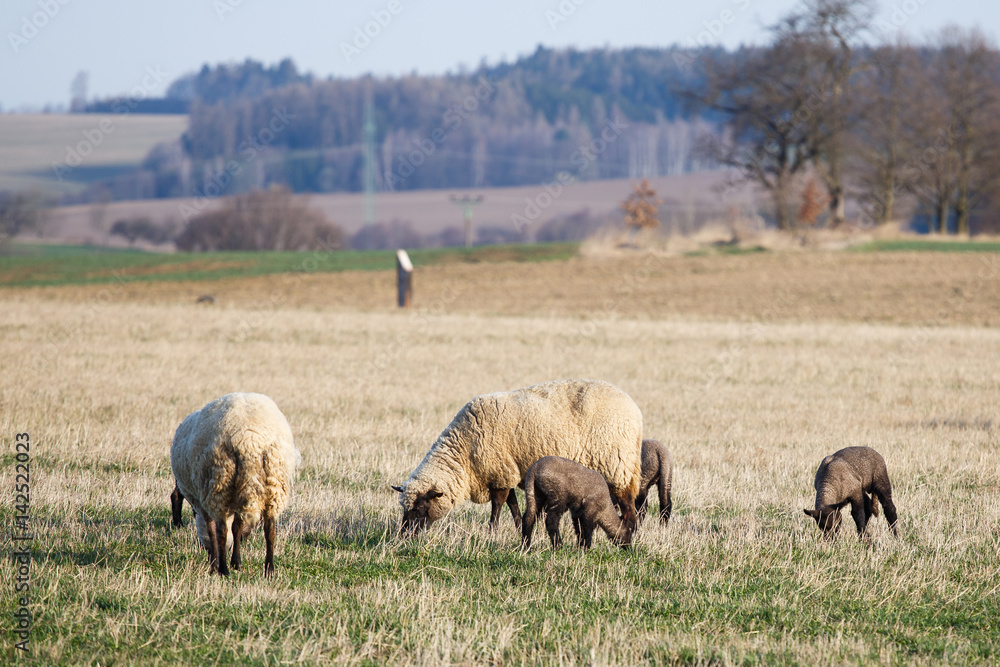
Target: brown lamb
[658, 469]
[556, 485]
[854, 475]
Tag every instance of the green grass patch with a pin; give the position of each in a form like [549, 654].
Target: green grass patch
[927, 245]
[36, 265]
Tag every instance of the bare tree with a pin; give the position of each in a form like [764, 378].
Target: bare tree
[966, 75]
[881, 145]
[791, 104]
[830, 29]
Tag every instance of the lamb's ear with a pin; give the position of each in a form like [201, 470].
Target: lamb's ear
[397, 488]
[812, 513]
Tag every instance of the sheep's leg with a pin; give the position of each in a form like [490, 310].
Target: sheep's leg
[237, 536]
[515, 511]
[221, 533]
[552, 527]
[270, 532]
[497, 499]
[176, 505]
[213, 545]
[860, 517]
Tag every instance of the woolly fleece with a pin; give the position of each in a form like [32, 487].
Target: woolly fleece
[495, 438]
[235, 456]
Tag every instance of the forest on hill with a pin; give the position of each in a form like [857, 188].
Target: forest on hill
[823, 115]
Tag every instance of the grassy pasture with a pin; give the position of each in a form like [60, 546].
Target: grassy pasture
[748, 396]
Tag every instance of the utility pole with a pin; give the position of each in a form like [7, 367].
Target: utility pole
[369, 129]
[468, 203]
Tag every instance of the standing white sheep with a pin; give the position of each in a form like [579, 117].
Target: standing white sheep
[492, 441]
[234, 461]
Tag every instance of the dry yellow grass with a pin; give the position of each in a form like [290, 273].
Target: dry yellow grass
[748, 402]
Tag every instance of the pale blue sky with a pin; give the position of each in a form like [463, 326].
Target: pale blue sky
[120, 42]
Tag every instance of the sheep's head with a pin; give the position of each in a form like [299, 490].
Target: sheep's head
[827, 518]
[420, 510]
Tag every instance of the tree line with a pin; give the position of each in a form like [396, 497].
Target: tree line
[904, 128]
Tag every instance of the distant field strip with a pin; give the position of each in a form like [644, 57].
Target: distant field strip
[106, 144]
[68, 265]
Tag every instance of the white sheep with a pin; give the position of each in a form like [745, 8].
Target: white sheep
[490, 444]
[234, 461]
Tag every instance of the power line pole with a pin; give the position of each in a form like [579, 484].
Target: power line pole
[468, 203]
[369, 129]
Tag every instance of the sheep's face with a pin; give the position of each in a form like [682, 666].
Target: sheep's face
[828, 519]
[426, 508]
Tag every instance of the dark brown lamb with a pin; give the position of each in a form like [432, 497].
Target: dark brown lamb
[658, 469]
[556, 485]
[855, 476]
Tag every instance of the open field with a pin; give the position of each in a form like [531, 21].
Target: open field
[750, 368]
[31, 143]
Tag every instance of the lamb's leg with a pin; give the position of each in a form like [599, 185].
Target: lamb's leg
[237, 536]
[176, 505]
[552, 519]
[531, 511]
[515, 511]
[666, 504]
[587, 527]
[213, 545]
[860, 518]
[270, 532]
[889, 509]
[577, 528]
[640, 505]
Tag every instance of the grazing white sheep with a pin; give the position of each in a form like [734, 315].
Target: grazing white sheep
[492, 441]
[234, 461]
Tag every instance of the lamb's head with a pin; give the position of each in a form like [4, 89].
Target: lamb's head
[420, 509]
[827, 518]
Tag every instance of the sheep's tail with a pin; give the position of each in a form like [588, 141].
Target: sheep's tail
[250, 476]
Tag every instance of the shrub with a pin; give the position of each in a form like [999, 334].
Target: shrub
[261, 220]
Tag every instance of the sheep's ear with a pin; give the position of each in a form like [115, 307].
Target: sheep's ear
[397, 488]
[434, 494]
